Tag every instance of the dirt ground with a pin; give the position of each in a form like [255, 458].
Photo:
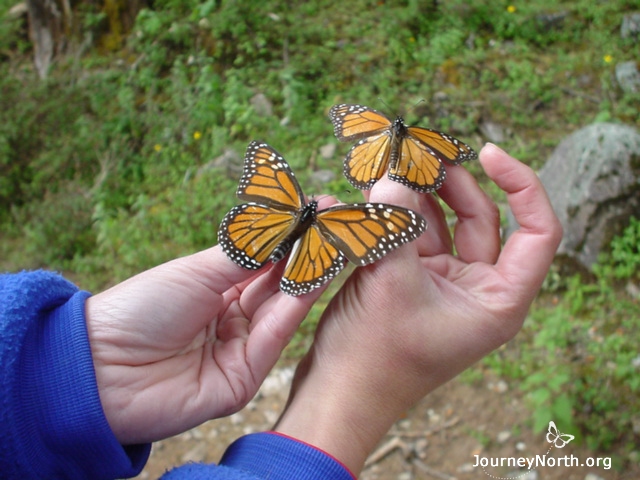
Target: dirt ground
[438, 439]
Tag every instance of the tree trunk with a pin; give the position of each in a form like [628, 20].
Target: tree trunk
[46, 31]
[52, 26]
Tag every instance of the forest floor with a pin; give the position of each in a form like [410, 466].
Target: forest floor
[441, 438]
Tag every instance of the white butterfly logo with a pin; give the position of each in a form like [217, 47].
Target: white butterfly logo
[558, 439]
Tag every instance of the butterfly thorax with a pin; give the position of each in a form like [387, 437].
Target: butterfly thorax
[305, 219]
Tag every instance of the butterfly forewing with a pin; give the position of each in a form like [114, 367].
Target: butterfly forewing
[268, 179]
[367, 161]
[313, 262]
[250, 232]
[444, 146]
[366, 232]
[351, 122]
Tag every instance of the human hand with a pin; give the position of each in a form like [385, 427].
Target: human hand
[187, 341]
[412, 321]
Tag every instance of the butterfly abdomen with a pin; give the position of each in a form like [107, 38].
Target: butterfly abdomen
[398, 132]
[305, 220]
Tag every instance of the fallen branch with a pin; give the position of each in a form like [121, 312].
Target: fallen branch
[385, 450]
[576, 93]
[431, 471]
[425, 433]
[397, 442]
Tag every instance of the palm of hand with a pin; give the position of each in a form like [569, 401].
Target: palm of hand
[431, 313]
[187, 341]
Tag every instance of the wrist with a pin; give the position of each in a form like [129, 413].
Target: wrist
[336, 414]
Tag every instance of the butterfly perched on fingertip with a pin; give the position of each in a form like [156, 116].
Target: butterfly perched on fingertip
[412, 155]
[278, 221]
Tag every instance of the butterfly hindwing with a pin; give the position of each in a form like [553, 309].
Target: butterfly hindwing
[417, 166]
[367, 161]
[313, 262]
[250, 233]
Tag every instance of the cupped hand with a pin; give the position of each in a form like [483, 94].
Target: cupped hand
[187, 341]
[412, 321]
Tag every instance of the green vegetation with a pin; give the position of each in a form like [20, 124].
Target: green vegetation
[108, 166]
[577, 358]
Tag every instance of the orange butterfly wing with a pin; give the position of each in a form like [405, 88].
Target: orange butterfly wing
[250, 233]
[365, 232]
[313, 262]
[417, 166]
[352, 122]
[367, 161]
[444, 146]
[268, 179]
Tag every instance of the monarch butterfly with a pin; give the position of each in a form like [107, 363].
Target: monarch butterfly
[277, 220]
[412, 154]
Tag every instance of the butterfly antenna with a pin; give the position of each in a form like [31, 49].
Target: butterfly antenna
[384, 103]
[317, 198]
[418, 103]
[415, 105]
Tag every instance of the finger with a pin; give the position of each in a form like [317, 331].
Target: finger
[528, 252]
[437, 239]
[213, 269]
[196, 282]
[275, 322]
[394, 193]
[477, 227]
[274, 317]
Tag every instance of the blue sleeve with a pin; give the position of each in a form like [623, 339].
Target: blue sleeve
[52, 421]
[267, 455]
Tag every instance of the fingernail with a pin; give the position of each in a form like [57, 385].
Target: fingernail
[495, 146]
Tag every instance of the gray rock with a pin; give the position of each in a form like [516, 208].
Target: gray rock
[593, 476]
[261, 105]
[593, 181]
[492, 131]
[328, 151]
[630, 27]
[322, 177]
[628, 76]
[550, 21]
[230, 160]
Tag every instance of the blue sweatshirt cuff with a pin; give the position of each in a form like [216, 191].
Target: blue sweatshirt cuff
[279, 457]
[60, 428]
